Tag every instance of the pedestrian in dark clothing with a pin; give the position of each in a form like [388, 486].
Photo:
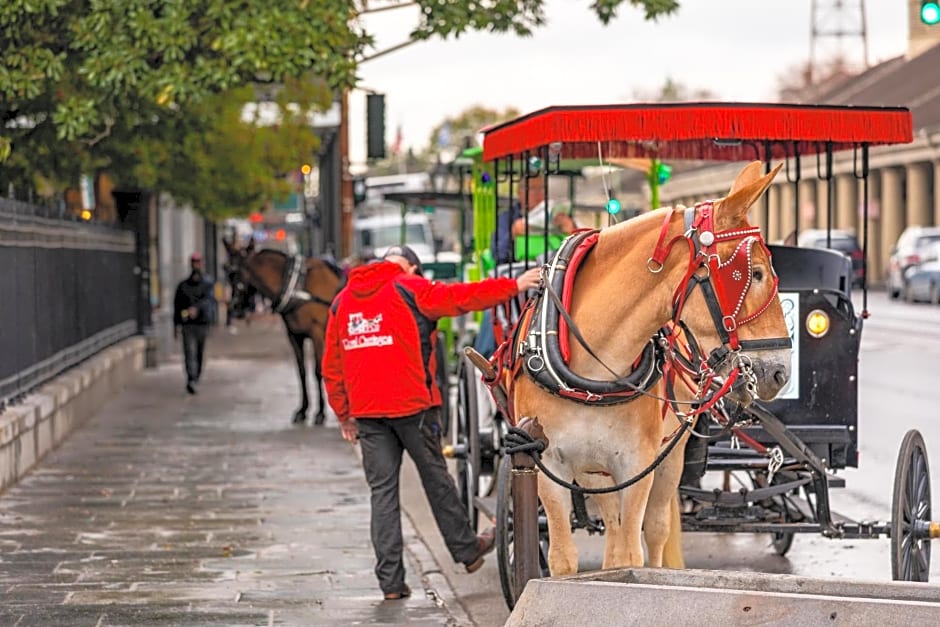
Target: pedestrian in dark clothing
[193, 311]
[378, 367]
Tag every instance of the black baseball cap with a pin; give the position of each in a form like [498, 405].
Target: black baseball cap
[407, 253]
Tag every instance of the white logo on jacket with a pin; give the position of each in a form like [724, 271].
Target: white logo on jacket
[357, 328]
[359, 325]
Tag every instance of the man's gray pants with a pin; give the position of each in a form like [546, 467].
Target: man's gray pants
[382, 441]
[194, 344]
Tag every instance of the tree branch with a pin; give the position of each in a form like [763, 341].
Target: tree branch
[394, 48]
[105, 133]
[401, 5]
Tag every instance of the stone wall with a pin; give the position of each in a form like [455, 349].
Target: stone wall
[35, 426]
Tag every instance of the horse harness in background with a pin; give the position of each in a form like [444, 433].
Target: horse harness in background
[292, 293]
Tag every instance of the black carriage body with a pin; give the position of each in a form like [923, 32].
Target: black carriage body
[822, 408]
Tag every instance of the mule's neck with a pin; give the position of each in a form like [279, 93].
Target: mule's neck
[618, 304]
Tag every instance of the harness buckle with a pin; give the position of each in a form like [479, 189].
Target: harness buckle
[653, 269]
[729, 323]
[591, 397]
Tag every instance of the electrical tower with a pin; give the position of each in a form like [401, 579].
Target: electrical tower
[838, 36]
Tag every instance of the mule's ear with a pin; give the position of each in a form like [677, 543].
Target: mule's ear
[732, 209]
[250, 248]
[749, 174]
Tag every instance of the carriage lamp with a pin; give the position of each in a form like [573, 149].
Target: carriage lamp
[817, 323]
[613, 206]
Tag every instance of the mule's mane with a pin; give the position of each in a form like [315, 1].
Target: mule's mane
[617, 239]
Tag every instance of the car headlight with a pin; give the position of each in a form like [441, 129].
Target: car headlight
[817, 323]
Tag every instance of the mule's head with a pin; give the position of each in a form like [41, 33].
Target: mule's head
[736, 316]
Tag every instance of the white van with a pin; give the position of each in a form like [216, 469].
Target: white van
[381, 230]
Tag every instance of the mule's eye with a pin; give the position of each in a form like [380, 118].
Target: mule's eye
[758, 274]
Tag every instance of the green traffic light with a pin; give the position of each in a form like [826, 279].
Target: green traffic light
[613, 206]
[930, 13]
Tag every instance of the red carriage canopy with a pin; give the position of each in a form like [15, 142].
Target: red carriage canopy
[717, 131]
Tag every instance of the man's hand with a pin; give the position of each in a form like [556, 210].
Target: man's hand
[193, 312]
[528, 279]
[350, 430]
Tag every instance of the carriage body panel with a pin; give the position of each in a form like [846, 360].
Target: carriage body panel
[820, 404]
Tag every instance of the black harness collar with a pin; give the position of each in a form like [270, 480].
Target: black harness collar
[292, 293]
[541, 353]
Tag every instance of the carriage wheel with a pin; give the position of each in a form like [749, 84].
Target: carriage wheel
[505, 548]
[466, 438]
[910, 512]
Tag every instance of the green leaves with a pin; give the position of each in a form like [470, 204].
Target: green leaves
[145, 87]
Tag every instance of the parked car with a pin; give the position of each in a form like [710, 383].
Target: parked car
[843, 241]
[923, 280]
[909, 251]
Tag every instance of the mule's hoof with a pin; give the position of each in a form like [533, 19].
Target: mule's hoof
[319, 419]
[299, 419]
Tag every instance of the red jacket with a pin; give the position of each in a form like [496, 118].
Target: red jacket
[379, 358]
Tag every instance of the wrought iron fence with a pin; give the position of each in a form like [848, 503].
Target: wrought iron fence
[68, 289]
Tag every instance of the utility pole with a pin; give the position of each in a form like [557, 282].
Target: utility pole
[346, 186]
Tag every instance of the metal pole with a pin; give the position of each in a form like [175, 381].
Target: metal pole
[525, 511]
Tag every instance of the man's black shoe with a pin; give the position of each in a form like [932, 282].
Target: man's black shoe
[191, 387]
[486, 542]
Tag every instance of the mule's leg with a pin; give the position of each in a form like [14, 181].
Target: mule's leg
[672, 552]
[562, 551]
[659, 526]
[297, 343]
[609, 507]
[318, 375]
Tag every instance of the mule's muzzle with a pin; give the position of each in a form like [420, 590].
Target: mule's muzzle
[772, 373]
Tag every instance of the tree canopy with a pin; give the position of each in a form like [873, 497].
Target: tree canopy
[462, 128]
[147, 88]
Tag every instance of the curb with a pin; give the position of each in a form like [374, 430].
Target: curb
[436, 585]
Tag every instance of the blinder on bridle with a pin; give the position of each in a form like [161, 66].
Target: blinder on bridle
[724, 284]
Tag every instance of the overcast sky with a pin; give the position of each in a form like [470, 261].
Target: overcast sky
[734, 48]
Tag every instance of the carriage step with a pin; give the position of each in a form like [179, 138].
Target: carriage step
[731, 464]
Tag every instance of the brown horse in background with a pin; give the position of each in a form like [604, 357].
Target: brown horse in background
[301, 291]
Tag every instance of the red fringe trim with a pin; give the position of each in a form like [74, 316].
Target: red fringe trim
[689, 130]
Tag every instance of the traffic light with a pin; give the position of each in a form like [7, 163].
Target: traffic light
[930, 12]
[375, 126]
[663, 172]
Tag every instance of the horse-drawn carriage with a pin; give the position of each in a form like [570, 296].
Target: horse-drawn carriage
[666, 349]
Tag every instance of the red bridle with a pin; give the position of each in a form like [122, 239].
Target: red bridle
[726, 282]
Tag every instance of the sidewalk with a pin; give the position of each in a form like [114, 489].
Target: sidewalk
[170, 509]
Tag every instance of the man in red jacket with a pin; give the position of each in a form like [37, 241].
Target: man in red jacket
[378, 369]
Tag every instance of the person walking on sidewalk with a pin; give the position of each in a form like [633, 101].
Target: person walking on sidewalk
[378, 369]
[193, 310]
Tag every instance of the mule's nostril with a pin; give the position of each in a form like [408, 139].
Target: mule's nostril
[780, 377]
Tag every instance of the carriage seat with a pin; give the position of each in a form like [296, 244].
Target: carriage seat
[806, 269]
